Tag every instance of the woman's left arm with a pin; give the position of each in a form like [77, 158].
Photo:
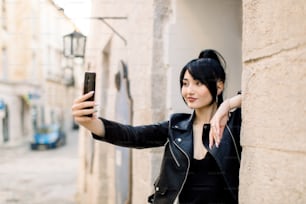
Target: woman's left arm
[220, 119]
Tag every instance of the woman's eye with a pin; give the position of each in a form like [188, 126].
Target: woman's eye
[185, 84]
[198, 83]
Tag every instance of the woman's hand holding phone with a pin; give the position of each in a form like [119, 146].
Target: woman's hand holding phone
[84, 107]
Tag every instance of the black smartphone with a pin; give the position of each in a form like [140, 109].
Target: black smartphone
[89, 85]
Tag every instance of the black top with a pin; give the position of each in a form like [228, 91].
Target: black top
[205, 184]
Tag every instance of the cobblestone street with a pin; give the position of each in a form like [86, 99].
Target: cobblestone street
[39, 177]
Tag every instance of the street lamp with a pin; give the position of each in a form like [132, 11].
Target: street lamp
[75, 42]
[74, 45]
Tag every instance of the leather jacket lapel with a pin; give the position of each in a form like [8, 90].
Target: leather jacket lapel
[181, 131]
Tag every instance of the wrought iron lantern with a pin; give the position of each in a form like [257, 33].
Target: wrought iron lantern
[74, 45]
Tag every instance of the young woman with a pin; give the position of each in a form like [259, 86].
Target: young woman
[201, 153]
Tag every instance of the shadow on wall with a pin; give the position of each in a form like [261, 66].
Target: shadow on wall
[123, 114]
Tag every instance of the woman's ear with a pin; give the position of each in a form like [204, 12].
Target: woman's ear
[220, 87]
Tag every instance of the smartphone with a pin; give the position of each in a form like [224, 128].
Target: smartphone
[89, 85]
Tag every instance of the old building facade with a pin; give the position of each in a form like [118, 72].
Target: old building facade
[32, 86]
[265, 53]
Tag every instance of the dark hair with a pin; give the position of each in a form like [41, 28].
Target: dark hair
[208, 69]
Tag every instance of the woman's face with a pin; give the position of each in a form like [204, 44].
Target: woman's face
[195, 94]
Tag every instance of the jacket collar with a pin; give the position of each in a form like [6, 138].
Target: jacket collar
[183, 123]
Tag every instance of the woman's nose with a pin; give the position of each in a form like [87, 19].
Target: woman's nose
[190, 89]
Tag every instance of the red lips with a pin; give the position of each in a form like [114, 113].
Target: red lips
[191, 99]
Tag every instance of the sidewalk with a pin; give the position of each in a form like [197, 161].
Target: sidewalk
[39, 177]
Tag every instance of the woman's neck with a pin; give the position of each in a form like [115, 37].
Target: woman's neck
[204, 115]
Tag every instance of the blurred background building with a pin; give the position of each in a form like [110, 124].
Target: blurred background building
[37, 83]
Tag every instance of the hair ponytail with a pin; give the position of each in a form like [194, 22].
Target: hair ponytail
[220, 73]
[215, 55]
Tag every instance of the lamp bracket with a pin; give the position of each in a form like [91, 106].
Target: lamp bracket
[102, 19]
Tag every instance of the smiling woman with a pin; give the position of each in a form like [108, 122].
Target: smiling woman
[78, 11]
[194, 168]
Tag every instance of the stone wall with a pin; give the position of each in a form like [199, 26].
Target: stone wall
[274, 86]
[105, 50]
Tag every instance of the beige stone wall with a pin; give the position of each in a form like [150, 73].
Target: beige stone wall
[274, 85]
[144, 58]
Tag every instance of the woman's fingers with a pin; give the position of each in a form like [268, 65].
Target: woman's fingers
[83, 112]
[82, 116]
[214, 134]
[216, 131]
[83, 105]
[84, 97]
[211, 138]
[82, 108]
[218, 123]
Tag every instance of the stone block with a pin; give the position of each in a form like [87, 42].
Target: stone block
[270, 176]
[273, 108]
[272, 26]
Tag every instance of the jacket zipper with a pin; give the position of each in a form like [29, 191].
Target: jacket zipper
[186, 170]
[176, 161]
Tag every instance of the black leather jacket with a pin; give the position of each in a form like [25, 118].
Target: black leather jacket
[176, 136]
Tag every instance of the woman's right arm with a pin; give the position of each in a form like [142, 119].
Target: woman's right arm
[81, 108]
[143, 136]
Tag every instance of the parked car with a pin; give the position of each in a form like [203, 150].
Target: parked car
[48, 137]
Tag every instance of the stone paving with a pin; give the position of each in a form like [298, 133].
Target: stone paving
[39, 177]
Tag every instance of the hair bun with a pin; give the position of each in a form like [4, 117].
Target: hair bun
[212, 54]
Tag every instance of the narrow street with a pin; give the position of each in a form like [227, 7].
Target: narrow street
[39, 177]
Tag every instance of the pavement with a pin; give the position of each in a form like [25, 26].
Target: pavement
[39, 176]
